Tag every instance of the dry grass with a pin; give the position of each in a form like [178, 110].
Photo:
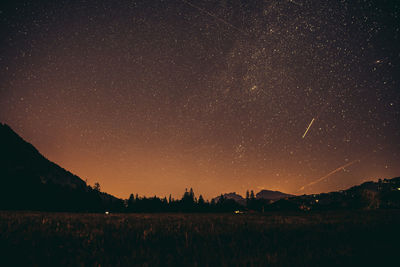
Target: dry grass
[334, 238]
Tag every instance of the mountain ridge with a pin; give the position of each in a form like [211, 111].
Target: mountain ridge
[272, 195]
[17, 149]
[34, 182]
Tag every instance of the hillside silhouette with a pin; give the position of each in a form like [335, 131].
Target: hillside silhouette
[383, 194]
[32, 182]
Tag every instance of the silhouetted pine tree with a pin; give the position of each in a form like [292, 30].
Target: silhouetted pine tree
[97, 186]
[201, 200]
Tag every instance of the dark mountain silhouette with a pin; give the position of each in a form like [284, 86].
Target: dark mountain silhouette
[271, 195]
[236, 197]
[383, 194]
[262, 195]
[18, 156]
[30, 181]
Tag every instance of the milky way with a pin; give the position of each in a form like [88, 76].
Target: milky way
[152, 97]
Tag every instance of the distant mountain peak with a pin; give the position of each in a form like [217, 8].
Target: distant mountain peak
[238, 198]
[272, 195]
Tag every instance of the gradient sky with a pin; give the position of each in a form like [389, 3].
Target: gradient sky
[153, 96]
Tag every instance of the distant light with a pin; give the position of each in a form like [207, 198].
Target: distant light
[317, 200]
[398, 188]
[106, 212]
[237, 211]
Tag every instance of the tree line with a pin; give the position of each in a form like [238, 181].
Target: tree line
[190, 203]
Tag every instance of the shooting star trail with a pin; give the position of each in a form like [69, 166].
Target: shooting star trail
[308, 128]
[214, 16]
[329, 174]
[315, 118]
[341, 168]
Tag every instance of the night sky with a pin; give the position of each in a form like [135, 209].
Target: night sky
[153, 96]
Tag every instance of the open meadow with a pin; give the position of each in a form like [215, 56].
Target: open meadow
[356, 238]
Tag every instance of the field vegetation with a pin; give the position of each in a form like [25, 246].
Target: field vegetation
[350, 238]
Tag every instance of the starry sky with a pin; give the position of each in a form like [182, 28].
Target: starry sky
[155, 96]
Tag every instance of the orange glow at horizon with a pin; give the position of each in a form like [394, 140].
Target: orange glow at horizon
[152, 97]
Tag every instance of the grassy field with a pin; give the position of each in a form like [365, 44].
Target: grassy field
[355, 238]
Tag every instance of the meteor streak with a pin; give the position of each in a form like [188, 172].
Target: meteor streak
[309, 126]
[341, 168]
[214, 16]
[315, 118]
[329, 174]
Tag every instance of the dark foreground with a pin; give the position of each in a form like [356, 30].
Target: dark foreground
[356, 238]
